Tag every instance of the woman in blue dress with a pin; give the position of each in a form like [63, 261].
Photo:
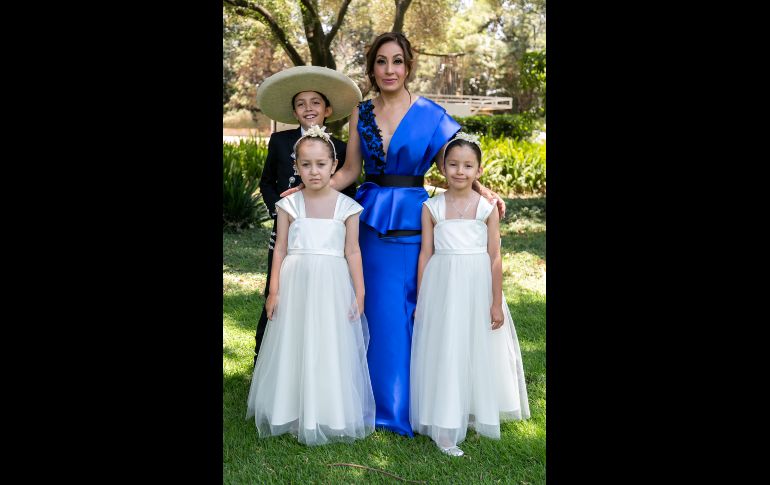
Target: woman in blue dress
[397, 136]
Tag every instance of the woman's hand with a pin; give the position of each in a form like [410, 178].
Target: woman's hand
[497, 316]
[292, 190]
[492, 197]
[270, 305]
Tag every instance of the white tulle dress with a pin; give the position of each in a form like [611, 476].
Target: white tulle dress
[311, 378]
[463, 373]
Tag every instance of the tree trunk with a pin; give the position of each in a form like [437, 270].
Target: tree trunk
[398, 20]
[320, 51]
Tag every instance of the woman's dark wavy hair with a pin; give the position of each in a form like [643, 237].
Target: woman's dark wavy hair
[371, 55]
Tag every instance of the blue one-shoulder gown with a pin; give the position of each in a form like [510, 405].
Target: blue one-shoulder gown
[390, 263]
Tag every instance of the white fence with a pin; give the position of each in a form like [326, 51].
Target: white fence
[466, 105]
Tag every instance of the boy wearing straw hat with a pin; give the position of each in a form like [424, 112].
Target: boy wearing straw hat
[308, 95]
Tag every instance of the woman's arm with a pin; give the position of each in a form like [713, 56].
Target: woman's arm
[439, 159]
[426, 248]
[353, 256]
[492, 197]
[279, 253]
[352, 169]
[493, 248]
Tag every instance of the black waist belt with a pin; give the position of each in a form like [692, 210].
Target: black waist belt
[398, 233]
[386, 180]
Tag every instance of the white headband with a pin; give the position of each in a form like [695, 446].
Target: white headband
[461, 135]
[315, 131]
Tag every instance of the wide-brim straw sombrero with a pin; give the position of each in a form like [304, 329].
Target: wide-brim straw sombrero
[275, 93]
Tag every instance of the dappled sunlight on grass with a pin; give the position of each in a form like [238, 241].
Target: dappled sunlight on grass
[529, 346]
[521, 429]
[237, 349]
[243, 282]
[526, 269]
[379, 460]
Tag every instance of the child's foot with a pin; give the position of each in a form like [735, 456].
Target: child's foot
[452, 451]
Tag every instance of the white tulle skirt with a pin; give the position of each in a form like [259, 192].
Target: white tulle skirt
[311, 377]
[463, 373]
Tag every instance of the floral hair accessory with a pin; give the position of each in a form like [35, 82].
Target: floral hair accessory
[315, 131]
[461, 135]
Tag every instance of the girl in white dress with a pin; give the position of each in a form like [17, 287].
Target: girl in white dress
[466, 367]
[311, 377]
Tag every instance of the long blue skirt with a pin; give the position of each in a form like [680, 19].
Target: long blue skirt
[390, 276]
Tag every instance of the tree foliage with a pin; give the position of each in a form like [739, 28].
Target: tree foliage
[491, 47]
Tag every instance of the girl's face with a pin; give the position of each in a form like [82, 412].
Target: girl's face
[390, 68]
[310, 109]
[461, 167]
[315, 164]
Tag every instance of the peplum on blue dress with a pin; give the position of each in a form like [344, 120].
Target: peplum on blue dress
[389, 237]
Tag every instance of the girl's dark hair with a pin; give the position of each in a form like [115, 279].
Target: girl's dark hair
[459, 142]
[371, 55]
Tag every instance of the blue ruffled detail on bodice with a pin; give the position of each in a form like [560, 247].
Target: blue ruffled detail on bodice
[424, 129]
[371, 135]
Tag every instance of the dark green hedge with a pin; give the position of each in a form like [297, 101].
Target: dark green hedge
[514, 126]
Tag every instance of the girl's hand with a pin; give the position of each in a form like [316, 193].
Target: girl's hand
[496, 312]
[270, 304]
[292, 190]
[359, 305]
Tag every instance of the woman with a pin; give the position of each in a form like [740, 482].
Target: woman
[398, 136]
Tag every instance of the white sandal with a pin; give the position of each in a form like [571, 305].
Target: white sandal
[452, 451]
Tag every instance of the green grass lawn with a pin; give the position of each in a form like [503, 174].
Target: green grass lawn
[518, 457]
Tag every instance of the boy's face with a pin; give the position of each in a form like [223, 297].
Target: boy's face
[310, 109]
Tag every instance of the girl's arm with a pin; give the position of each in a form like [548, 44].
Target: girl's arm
[426, 249]
[349, 172]
[493, 248]
[279, 253]
[353, 255]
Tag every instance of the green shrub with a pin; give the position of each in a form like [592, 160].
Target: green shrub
[249, 153]
[242, 165]
[513, 166]
[516, 126]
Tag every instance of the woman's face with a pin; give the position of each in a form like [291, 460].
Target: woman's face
[390, 67]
